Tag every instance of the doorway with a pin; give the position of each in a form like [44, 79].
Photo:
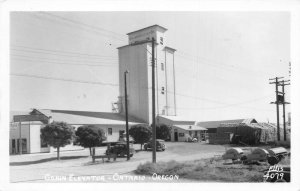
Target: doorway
[13, 147]
[23, 146]
[175, 136]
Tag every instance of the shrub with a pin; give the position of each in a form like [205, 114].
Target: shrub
[57, 134]
[140, 133]
[203, 170]
[163, 132]
[90, 136]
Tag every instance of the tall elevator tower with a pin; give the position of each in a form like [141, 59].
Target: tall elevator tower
[136, 57]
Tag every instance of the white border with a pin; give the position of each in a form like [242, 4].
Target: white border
[153, 5]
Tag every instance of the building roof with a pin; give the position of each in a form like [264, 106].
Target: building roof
[164, 29]
[88, 117]
[176, 119]
[190, 127]
[13, 113]
[169, 48]
[216, 124]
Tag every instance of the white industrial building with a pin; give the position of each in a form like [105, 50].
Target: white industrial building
[137, 59]
[28, 130]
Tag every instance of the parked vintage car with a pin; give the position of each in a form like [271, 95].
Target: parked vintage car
[160, 145]
[120, 149]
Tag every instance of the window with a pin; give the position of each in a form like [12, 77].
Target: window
[161, 40]
[109, 131]
[162, 67]
[162, 90]
[181, 134]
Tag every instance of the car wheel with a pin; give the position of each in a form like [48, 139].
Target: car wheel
[131, 155]
[163, 149]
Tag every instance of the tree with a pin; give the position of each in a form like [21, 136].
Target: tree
[140, 133]
[163, 132]
[57, 134]
[89, 136]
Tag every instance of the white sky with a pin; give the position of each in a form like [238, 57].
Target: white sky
[223, 61]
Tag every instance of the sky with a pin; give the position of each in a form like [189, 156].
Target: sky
[223, 62]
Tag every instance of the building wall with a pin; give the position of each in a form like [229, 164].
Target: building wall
[29, 131]
[186, 133]
[115, 131]
[160, 79]
[15, 134]
[179, 131]
[146, 35]
[35, 139]
[170, 82]
[134, 59]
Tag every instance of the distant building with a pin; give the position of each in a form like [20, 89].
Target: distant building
[136, 57]
[212, 126]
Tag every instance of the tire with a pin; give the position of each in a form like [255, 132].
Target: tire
[273, 160]
[131, 155]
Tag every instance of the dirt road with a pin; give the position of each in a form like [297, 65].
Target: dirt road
[45, 167]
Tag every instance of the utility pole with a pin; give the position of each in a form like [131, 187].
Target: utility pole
[153, 104]
[284, 83]
[277, 104]
[126, 115]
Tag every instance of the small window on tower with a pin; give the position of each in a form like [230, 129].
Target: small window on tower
[162, 90]
[161, 40]
[162, 66]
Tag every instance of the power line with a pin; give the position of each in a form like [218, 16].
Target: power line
[54, 61]
[118, 34]
[98, 29]
[232, 105]
[59, 52]
[116, 85]
[221, 66]
[213, 108]
[63, 79]
[42, 18]
[62, 63]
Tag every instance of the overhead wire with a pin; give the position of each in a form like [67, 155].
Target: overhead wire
[218, 65]
[62, 62]
[64, 79]
[60, 52]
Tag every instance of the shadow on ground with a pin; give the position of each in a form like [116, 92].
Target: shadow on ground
[45, 160]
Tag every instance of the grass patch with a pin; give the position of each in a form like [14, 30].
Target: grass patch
[205, 170]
